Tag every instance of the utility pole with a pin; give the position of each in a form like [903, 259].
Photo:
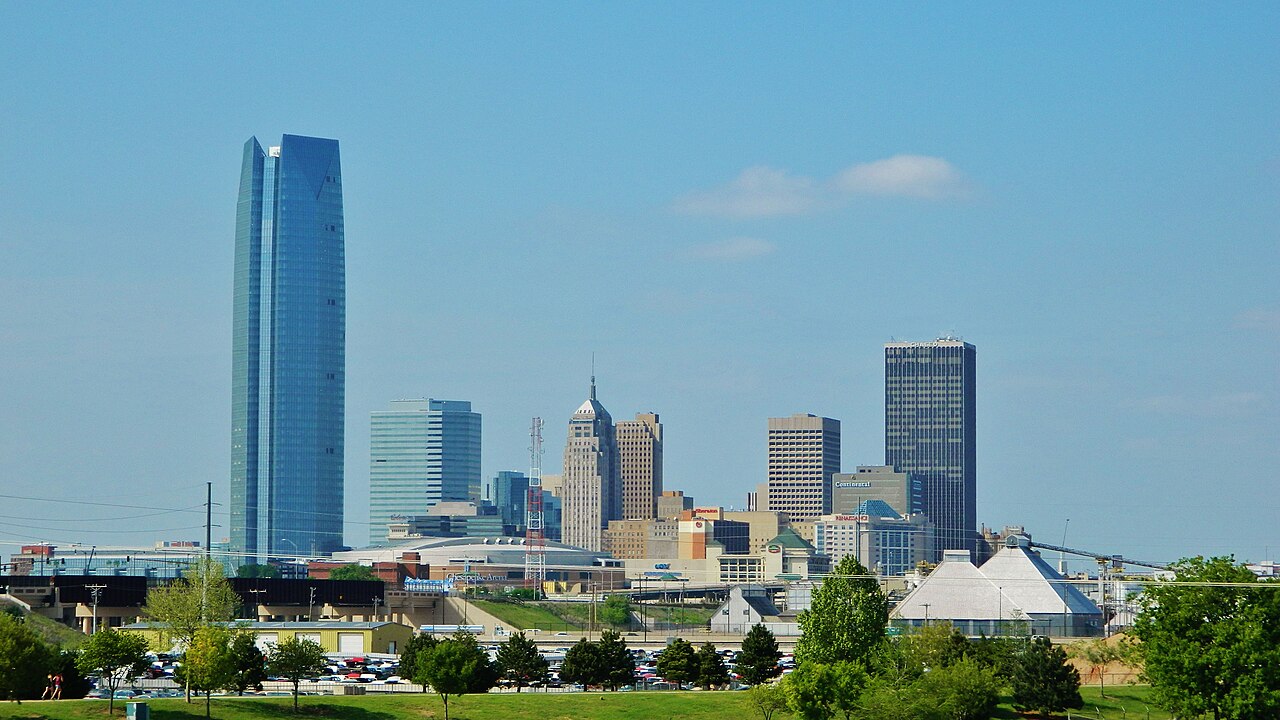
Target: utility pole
[375, 609]
[208, 519]
[311, 605]
[96, 590]
[257, 601]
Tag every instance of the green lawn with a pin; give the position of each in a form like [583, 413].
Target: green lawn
[526, 706]
[525, 616]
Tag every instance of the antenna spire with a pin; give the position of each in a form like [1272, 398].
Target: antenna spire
[593, 376]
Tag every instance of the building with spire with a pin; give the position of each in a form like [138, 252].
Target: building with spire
[592, 484]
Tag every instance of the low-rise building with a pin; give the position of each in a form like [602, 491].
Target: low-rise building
[348, 639]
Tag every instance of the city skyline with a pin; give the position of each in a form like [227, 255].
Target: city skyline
[735, 210]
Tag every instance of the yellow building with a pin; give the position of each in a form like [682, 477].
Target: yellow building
[337, 638]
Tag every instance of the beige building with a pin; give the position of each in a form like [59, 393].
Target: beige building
[341, 638]
[640, 465]
[903, 491]
[804, 454]
[635, 539]
[671, 503]
[763, 525]
[786, 556]
[592, 490]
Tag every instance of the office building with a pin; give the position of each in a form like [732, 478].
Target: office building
[673, 502]
[508, 491]
[592, 488]
[421, 452]
[885, 542]
[288, 351]
[804, 454]
[902, 491]
[640, 465]
[930, 423]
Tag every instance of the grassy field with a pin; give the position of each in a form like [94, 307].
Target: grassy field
[601, 706]
[525, 615]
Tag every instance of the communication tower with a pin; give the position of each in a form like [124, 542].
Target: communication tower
[535, 540]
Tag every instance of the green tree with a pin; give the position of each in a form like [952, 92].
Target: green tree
[202, 596]
[248, 661]
[678, 663]
[936, 645]
[416, 652]
[1043, 681]
[25, 661]
[962, 690]
[811, 691]
[711, 669]
[846, 617]
[352, 571]
[615, 611]
[617, 667]
[254, 570]
[767, 699]
[850, 681]
[74, 683]
[758, 661]
[208, 664]
[895, 695]
[1212, 650]
[455, 667]
[295, 659]
[520, 661]
[1099, 654]
[581, 664]
[114, 656]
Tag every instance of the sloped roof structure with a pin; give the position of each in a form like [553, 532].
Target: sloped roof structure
[1014, 585]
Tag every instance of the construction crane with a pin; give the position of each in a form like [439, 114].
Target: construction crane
[1114, 562]
[1107, 566]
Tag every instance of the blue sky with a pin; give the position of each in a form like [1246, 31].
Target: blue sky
[733, 205]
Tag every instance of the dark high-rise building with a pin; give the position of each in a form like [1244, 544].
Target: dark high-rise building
[929, 431]
[288, 351]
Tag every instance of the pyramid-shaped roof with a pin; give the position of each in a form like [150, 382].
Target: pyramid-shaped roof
[790, 540]
[1033, 584]
[957, 590]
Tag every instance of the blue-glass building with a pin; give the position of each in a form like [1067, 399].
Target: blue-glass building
[288, 350]
[421, 453]
[509, 493]
[929, 431]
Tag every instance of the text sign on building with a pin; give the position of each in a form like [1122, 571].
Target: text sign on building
[843, 485]
[708, 513]
[852, 518]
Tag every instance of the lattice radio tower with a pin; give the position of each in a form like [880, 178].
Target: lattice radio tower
[535, 540]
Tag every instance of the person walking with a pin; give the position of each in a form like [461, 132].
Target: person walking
[48, 688]
[57, 686]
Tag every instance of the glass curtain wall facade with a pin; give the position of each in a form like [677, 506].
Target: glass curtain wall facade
[421, 453]
[930, 422]
[288, 351]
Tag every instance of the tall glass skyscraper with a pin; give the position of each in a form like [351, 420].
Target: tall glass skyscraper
[421, 452]
[929, 431]
[288, 351]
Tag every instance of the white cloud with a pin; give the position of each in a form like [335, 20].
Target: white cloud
[757, 192]
[763, 191]
[732, 249]
[918, 176]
